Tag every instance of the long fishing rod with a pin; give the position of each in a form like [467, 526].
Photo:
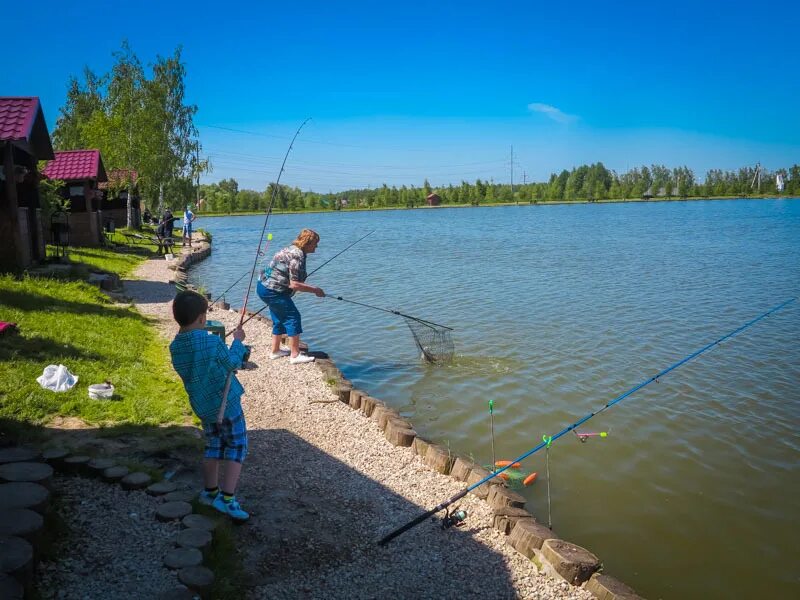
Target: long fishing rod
[263, 308]
[393, 312]
[266, 221]
[548, 440]
[230, 287]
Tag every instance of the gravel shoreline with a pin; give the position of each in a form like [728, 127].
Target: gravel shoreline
[323, 484]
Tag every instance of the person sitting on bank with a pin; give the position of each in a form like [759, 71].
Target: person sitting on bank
[277, 284]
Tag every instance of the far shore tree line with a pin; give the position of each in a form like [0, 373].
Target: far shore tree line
[585, 183]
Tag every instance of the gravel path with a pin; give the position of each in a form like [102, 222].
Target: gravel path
[323, 485]
[115, 547]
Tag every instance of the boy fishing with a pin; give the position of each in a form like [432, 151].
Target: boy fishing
[206, 366]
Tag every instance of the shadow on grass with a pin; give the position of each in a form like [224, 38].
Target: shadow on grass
[29, 301]
[18, 347]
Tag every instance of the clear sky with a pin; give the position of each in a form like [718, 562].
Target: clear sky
[403, 91]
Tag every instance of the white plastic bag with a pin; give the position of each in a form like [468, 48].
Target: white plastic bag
[57, 378]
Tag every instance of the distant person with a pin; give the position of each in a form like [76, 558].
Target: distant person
[206, 365]
[164, 231]
[277, 284]
[188, 219]
[146, 216]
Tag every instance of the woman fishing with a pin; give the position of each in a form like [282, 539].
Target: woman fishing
[277, 284]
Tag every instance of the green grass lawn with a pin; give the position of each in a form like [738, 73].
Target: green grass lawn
[73, 323]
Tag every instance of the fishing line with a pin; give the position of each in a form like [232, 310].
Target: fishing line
[548, 440]
[266, 222]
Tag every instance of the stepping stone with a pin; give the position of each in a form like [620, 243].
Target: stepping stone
[23, 495]
[179, 558]
[172, 511]
[96, 466]
[160, 488]
[114, 474]
[194, 538]
[55, 456]
[573, 563]
[11, 455]
[199, 522]
[16, 558]
[180, 496]
[22, 523]
[197, 578]
[27, 471]
[10, 588]
[77, 464]
[179, 592]
[136, 481]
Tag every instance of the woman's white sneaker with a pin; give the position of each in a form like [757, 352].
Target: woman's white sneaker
[279, 354]
[301, 359]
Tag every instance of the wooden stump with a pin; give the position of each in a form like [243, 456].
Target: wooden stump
[386, 414]
[439, 459]
[378, 411]
[461, 469]
[23, 495]
[114, 474]
[343, 391]
[180, 558]
[22, 523]
[199, 522]
[573, 563]
[606, 587]
[194, 538]
[199, 579]
[501, 497]
[355, 399]
[11, 455]
[30, 472]
[476, 474]
[398, 434]
[507, 517]
[10, 588]
[16, 558]
[420, 447]
[529, 536]
[77, 465]
[136, 481]
[172, 511]
[96, 466]
[367, 405]
[160, 488]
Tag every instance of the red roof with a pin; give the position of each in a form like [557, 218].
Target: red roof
[72, 165]
[22, 121]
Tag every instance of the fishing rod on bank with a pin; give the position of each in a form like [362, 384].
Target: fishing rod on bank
[263, 308]
[548, 440]
[266, 222]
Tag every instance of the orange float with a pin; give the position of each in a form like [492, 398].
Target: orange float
[530, 479]
[506, 463]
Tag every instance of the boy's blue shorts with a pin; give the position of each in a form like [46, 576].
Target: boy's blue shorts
[226, 440]
[285, 316]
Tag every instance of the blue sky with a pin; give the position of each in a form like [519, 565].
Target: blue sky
[442, 90]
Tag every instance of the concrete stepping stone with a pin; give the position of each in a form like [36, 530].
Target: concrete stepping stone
[199, 522]
[31, 472]
[11, 455]
[77, 464]
[180, 496]
[23, 495]
[606, 587]
[573, 563]
[55, 456]
[194, 538]
[114, 474]
[180, 558]
[160, 488]
[197, 578]
[136, 481]
[22, 523]
[529, 536]
[96, 466]
[16, 558]
[179, 592]
[172, 511]
[10, 588]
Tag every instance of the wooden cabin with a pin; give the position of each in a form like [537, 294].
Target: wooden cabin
[433, 199]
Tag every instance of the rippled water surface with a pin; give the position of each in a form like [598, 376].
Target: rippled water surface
[695, 493]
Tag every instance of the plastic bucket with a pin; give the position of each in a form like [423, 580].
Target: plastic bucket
[101, 391]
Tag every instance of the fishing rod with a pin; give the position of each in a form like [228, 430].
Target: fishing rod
[548, 440]
[266, 221]
[393, 312]
[222, 295]
[263, 308]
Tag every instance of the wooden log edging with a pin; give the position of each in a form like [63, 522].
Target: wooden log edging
[553, 556]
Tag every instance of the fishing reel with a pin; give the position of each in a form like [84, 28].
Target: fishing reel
[454, 519]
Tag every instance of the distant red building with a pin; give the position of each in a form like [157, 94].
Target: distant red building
[24, 140]
[433, 199]
[81, 171]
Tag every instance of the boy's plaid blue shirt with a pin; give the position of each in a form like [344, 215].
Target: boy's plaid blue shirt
[203, 361]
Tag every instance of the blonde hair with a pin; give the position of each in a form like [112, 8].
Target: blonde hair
[305, 239]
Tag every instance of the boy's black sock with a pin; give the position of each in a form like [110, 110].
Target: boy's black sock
[214, 490]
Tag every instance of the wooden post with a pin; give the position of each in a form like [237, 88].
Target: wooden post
[12, 208]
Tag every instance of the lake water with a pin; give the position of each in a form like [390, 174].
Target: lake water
[695, 492]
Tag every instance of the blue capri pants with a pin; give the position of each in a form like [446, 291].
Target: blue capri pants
[285, 316]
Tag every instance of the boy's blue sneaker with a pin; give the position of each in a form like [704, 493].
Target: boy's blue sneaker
[208, 498]
[233, 509]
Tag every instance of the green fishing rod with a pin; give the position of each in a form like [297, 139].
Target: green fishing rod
[548, 440]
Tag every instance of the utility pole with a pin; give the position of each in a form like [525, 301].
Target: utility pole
[524, 178]
[512, 172]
